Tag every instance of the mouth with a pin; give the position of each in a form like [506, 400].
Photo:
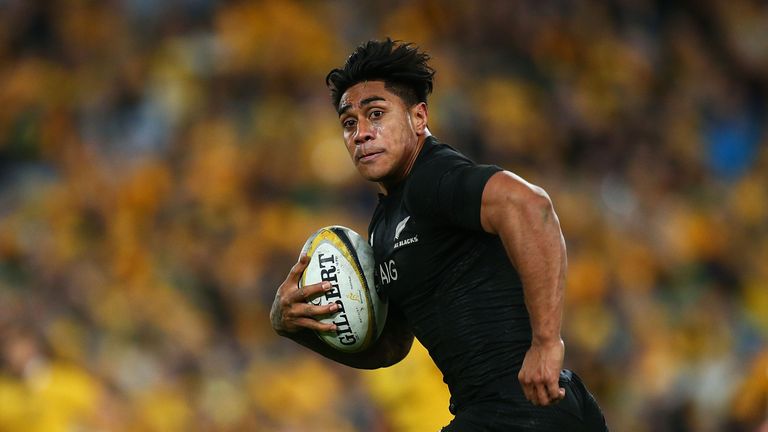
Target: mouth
[369, 156]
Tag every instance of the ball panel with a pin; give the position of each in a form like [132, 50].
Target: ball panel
[363, 258]
[363, 254]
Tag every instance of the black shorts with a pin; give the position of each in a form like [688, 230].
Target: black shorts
[510, 412]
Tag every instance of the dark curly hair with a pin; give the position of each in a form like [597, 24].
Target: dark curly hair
[401, 66]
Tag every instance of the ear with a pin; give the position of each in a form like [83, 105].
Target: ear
[420, 117]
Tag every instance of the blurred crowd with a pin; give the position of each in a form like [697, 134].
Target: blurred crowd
[162, 163]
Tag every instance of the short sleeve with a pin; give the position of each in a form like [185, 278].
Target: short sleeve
[449, 189]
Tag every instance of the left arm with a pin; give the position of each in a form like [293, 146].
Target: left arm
[521, 214]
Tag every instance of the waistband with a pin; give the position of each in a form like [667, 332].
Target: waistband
[504, 388]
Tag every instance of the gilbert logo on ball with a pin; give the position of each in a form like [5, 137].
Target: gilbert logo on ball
[341, 257]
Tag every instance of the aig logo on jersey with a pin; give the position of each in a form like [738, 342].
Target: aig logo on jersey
[384, 274]
[399, 230]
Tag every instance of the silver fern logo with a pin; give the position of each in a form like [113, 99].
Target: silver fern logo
[400, 227]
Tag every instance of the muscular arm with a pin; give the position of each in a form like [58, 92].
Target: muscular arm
[293, 318]
[523, 217]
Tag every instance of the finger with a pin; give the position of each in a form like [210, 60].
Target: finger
[526, 386]
[550, 394]
[310, 310]
[314, 324]
[302, 294]
[554, 391]
[532, 399]
[530, 393]
[541, 395]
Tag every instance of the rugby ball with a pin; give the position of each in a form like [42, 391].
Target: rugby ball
[340, 256]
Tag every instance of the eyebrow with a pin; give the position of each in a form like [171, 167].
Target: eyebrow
[365, 101]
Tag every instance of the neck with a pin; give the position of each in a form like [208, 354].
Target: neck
[386, 185]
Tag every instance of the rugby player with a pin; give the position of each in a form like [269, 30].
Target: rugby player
[471, 258]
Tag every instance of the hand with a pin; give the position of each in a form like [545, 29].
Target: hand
[290, 311]
[540, 373]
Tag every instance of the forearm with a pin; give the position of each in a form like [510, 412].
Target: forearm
[523, 217]
[537, 250]
[391, 347]
[309, 340]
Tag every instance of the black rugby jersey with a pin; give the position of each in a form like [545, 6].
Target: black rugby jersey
[453, 282]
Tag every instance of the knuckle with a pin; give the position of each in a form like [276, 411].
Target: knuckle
[292, 313]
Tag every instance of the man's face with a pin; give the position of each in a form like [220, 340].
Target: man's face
[381, 133]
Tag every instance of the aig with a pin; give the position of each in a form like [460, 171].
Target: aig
[388, 272]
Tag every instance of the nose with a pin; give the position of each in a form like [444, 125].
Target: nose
[364, 132]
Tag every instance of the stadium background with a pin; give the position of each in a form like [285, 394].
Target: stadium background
[161, 163]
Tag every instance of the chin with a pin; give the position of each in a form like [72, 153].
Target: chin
[371, 177]
[370, 173]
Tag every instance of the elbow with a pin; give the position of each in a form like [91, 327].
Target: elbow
[538, 202]
[537, 198]
[510, 201]
[397, 355]
[386, 352]
[531, 203]
[396, 352]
